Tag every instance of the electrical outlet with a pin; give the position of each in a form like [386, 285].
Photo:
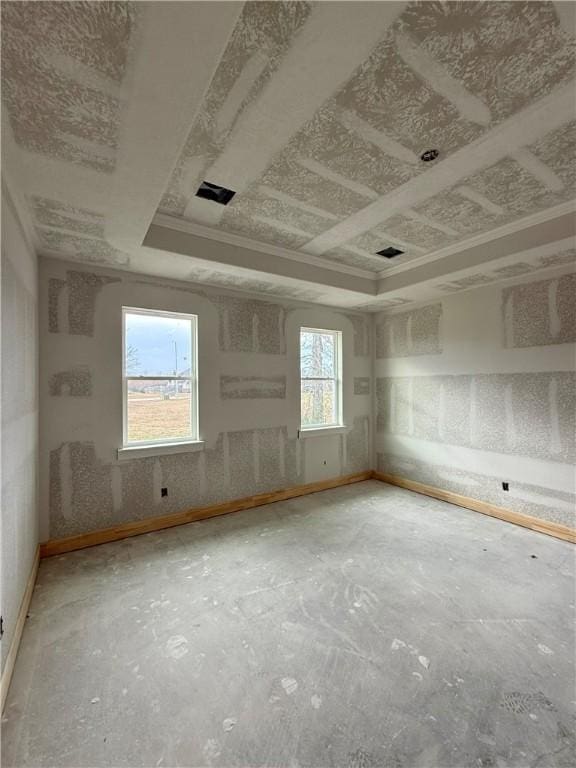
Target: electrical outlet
[164, 491]
[505, 486]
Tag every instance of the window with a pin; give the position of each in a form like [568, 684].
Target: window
[320, 378]
[159, 377]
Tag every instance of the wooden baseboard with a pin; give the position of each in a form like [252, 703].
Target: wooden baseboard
[18, 629]
[124, 531]
[526, 521]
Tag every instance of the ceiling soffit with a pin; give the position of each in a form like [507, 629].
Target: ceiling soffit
[315, 113]
[487, 83]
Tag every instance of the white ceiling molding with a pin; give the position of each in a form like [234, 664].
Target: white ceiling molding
[523, 128]
[228, 257]
[485, 237]
[223, 236]
[155, 264]
[465, 257]
[425, 293]
[256, 94]
[553, 231]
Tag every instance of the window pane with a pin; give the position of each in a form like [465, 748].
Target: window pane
[317, 354]
[158, 410]
[157, 346]
[318, 400]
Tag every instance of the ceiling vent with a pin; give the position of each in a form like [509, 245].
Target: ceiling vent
[389, 252]
[214, 192]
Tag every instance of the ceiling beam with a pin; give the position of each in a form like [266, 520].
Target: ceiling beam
[230, 251]
[178, 50]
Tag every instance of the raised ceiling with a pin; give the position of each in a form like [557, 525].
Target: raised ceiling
[316, 115]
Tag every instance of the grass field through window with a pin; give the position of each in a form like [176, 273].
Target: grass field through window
[154, 416]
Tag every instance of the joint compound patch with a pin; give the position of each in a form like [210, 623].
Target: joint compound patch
[540, 313]
[239, 317]
[411, 333]
[529, 414]
[361, 385]
[82, 289]
[77, 382]
[252, 387]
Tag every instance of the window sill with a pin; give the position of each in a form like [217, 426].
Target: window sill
[159, 449]
[322, 431]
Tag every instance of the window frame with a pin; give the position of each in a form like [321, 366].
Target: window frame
[339, 411]
[192, 378]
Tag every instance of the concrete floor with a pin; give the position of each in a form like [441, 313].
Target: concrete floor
[360, 627]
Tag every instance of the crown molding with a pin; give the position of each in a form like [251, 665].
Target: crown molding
[435, 295]
[484, 237]
[192, 228]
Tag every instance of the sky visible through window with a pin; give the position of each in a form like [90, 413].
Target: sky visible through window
[159, 407]
[157, 346]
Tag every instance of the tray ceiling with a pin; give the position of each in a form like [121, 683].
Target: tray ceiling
[315, 113]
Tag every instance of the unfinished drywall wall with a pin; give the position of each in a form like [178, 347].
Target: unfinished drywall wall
[480, 389]
[19, 516]
[249, 396]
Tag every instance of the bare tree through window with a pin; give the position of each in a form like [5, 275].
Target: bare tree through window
[319, 372]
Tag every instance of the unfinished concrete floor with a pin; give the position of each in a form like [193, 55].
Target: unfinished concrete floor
[359, 627]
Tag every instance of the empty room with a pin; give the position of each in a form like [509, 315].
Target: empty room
[288, 368]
